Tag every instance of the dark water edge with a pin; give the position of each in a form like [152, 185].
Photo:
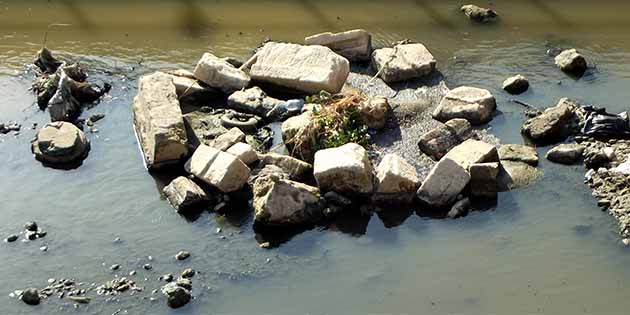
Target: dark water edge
[544, 249]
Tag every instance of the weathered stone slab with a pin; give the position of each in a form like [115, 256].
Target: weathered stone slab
[243, 152]
[396, 179]
[221, 170]
[184, 194]
[345, 169]
[279, 201]
[473, 104]
[446, 180]
[228, 139]
[308, 69]
[403, 62]
[354, 45]
[566, 153]
[296, 169]
[60, 143]
[552, 125]
[191, 91]
[438, 141]
[219, 74]
[158, 121]
[483, 179]
[472, 151]
[518, 153]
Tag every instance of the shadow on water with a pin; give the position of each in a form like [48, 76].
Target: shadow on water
[314, 11]
[394, 216]
[193, 21]
[434, 14]
[78, 16]
[554, 15]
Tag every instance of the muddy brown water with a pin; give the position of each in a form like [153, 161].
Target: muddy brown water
[543, 249]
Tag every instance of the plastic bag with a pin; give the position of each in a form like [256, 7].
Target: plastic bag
[600, 124]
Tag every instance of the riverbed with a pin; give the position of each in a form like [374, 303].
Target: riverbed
[543, 249]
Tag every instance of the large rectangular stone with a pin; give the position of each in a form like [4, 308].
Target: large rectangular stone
[473, 151]
[309, 69]
[221, 170]
[446, 180]
[158, 121]
[219, 74]
[355, 45]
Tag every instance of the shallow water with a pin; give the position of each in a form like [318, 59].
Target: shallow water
[544, 249]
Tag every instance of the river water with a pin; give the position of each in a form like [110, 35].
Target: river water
[544, 249]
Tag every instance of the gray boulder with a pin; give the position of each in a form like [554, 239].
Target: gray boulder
[219, 74]
[354, 45]
[396, 180]
[518, 153]
[571, 61]
[184, 194]
[253, 101]
[478, 14]
[345, 169]
[296, 169]
[473, 104]
[472, 151]
[221, 170]
[566, 153]
[60, 143]
[437, 142]
[158, 121]
[308, 69]
[403, 62]
[443, 183]
[279, 201]
[516, 85]
[552, 125]
[483, 179]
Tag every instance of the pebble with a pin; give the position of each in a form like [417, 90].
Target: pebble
[117, 240]
[51, 281]
[218, 230]
[30, 235]
[41, 234]
[44, 248]
[222, 237]
[182, 255]
[147, 267]
[31, 226]
[184, 283]
[626, 241]
[132, 273]
[12, 238]
[115, 267]
[167, 277]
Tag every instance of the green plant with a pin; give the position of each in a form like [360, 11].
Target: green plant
[339, 121]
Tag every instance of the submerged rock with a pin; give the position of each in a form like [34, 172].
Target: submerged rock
[219, 74]
[184, 194]
[46, 62]
[403, 62]
[473, 151]
[308, 69]
[572, 62]
[566, 153]
[483, 179]
[437, 142]
[396, 180]
[478, 14]
[158, 121]
[221, 170]
[279, 201]
[459, 209]
[516, 174]
[60, 143]
[176, 295]
[345, 169]
[518, 153]
[516, 85]
[181, 255]
[443, 183]
[354, 45]
[553, 125]
[473, 104]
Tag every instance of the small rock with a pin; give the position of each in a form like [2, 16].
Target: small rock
[445, 181]
[176, 295]
[182, 255]
[219, 74]
[552, 125]
[265, 245]
[60, 143]
[459, 209]
[31, 226]
[80, 299]
[188, 273]
[115, 267]
[44, 248]
[473, 104]
[184, 194]
[518, 153]
[11, 238]
[31, 236]
[478, 14]
[473, 151]
[132, 273]
[483, 179]
[572, 62]
[403, 62]
[565, 154]
[185, 283]
[345, 169]
[31, 296]
[516, 84]
[626, 241]
[147, 267]
[167, 277]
